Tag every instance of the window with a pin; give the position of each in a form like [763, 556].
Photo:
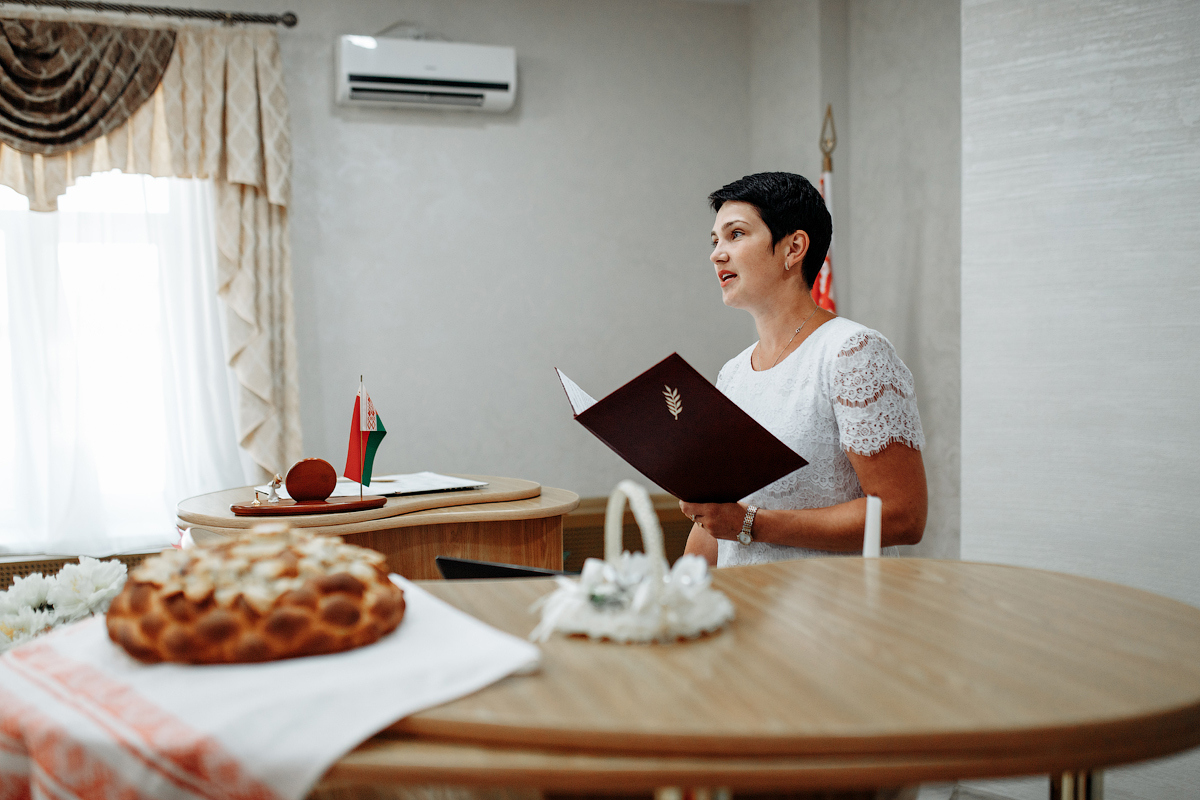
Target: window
[114, 399]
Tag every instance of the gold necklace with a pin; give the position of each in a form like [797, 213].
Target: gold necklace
[794, 334]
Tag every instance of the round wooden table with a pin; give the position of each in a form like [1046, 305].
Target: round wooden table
[510, 520]
[837, 673]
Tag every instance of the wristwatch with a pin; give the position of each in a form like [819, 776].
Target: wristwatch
[745, 536]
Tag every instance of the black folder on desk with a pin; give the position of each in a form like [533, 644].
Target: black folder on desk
[680, 431]
[470, 569]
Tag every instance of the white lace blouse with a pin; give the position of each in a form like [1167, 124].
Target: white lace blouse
[844, 388]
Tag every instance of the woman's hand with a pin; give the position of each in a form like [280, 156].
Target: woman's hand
[896, 475]
[720, 520]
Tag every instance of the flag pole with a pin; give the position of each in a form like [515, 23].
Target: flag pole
[362, 454]
[822, 290]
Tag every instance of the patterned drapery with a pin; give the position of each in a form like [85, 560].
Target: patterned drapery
[62, 84]
[219, 112]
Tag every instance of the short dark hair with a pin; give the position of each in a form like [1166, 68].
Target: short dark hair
[787, 203]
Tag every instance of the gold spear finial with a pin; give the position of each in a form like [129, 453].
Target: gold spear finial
[828, 139]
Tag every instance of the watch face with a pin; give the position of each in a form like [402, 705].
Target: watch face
[744, 537]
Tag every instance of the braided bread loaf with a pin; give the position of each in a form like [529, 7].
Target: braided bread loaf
[273, 593]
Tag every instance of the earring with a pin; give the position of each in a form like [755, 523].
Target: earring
[786, 265]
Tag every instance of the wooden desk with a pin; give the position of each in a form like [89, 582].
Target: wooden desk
[837, 673]
[510, 520]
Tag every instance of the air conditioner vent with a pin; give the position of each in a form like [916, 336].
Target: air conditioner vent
[416, 72]
[495, 87]
[410, 96]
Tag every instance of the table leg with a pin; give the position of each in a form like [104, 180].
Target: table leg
[696, 793]
[1077, 786]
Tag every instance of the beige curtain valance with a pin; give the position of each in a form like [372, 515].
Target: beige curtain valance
[62, 84]
[219, 112]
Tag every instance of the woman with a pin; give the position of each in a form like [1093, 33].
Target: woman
[831, 389]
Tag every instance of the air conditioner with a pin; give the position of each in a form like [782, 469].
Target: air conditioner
[418, 73]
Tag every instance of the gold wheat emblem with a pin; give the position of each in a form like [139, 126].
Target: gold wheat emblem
[674, 404]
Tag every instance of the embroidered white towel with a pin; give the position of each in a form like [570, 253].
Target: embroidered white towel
[80, 718]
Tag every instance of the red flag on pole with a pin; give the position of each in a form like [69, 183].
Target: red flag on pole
[822, 290]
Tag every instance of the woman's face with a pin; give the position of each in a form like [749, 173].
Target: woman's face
[748, 268]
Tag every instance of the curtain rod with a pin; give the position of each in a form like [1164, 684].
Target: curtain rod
[287, 18]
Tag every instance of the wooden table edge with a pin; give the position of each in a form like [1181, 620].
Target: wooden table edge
[1157, 734]
[420, 761]
[554, 502]
[559, 502]
[525, 490]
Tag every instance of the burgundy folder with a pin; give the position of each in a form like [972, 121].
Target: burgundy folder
[678, 430]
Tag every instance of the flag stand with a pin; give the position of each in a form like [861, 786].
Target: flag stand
[310, 484]
[332, 505]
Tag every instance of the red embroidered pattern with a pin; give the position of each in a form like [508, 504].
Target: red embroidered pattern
[64, 769]
[193, 761]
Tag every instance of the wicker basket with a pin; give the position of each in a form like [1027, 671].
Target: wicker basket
[635, 597]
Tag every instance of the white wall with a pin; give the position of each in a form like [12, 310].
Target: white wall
[785, 87]
[455, 259]
[891, 72]
[834, 19]
[799, 64]
[1081, 184]
[903, 233]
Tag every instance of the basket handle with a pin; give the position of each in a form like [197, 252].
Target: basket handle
[643, 512]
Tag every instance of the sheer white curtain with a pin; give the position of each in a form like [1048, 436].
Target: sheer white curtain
[115, 398]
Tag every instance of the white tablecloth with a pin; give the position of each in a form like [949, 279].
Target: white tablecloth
[80, 718]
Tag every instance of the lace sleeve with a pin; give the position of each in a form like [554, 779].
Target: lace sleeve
[873, 396]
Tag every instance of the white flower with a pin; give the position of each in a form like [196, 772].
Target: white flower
[636, 599]
[688, 578]
[86, 588]
[27, 592]
[25, 624]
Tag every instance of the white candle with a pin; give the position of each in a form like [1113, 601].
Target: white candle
[872, 532]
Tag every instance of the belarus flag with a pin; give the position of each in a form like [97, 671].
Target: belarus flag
[366, 432]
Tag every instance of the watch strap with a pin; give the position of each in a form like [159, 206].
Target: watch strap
[746, 536]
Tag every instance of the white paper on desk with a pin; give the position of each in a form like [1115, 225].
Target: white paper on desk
[393, 485]
[227, 731]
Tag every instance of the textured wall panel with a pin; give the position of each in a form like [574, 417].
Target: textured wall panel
[902, 275]
[1081, 198]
